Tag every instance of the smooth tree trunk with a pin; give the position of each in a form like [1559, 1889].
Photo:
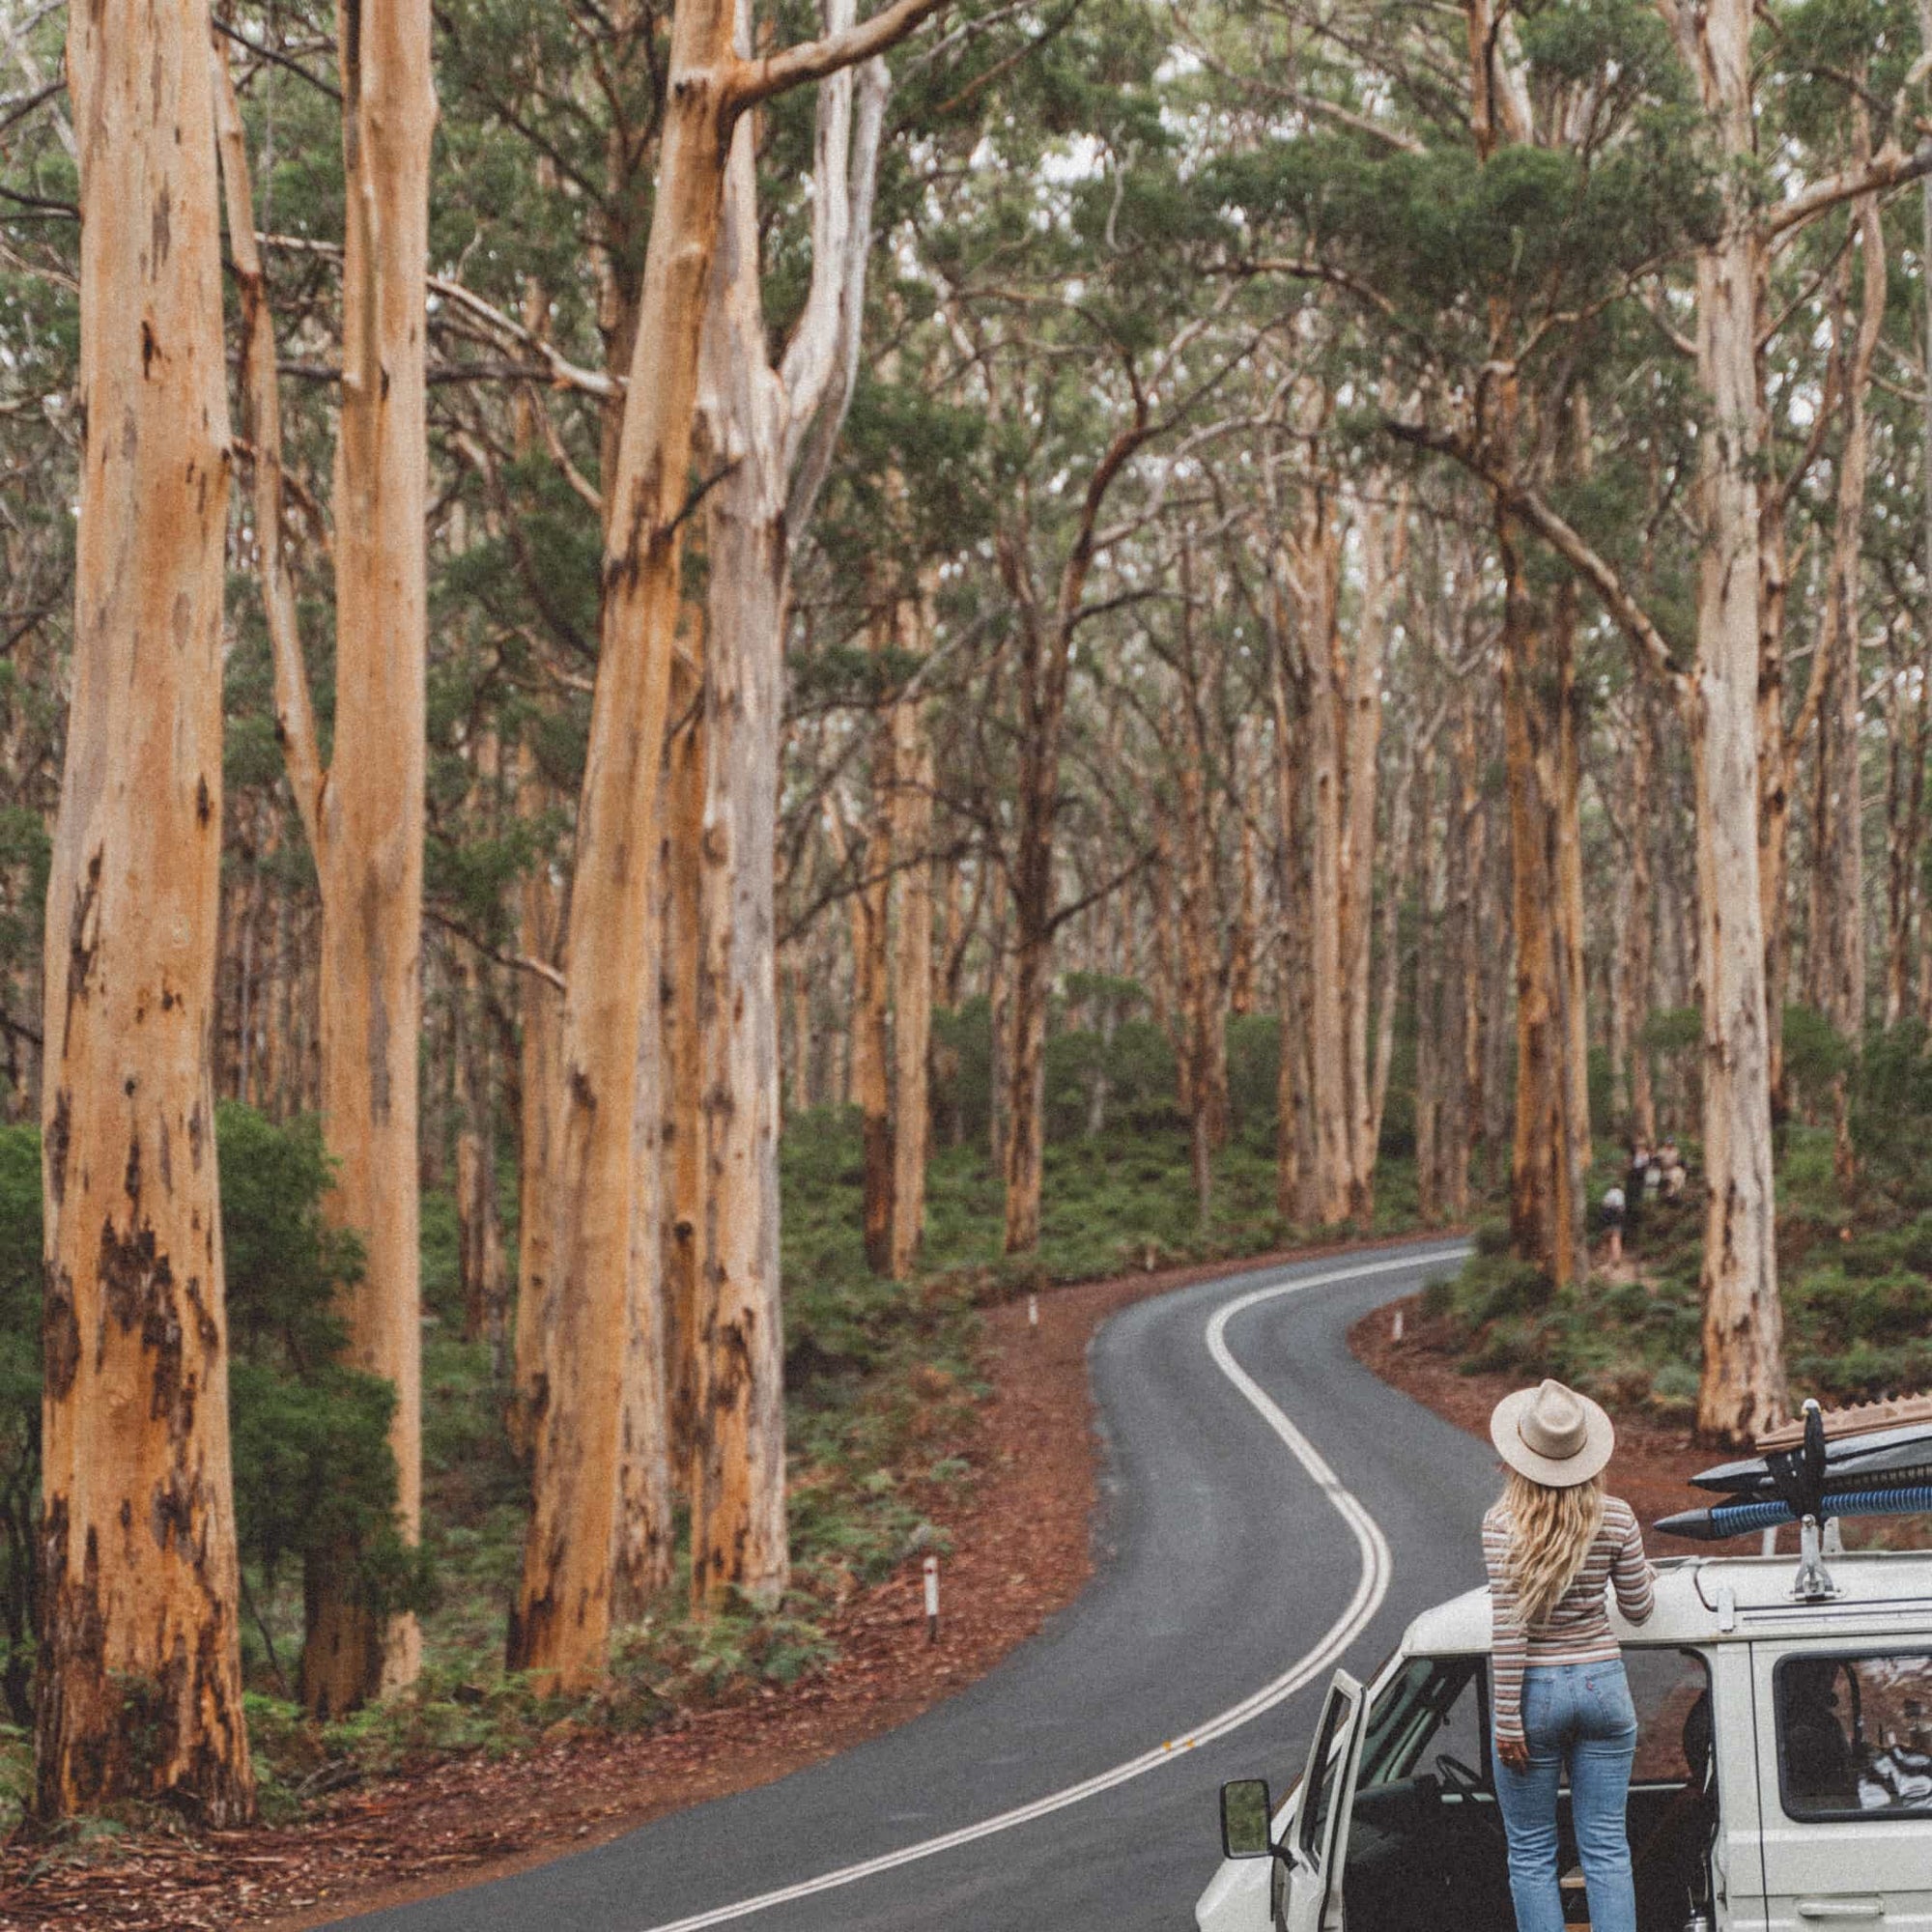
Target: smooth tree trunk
[539, 1009]
[642, 1548]
[1639, 935]
[1203, 1038]
[139, 1667]
[1385, 552]
[560, 1625]
[737, 1454]
[1539, 712]
[911, 981]
[370, 811]
[363, 815]
[678, 908]
[1203, 1025]
[1409, 837]
[1838, 940]
[1743, 1385]
[1904, 829]
[1837, 949]
[479, 1243]
[872, 993]
[1329, 900]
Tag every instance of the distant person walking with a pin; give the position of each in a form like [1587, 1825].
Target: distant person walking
[1554, 1544]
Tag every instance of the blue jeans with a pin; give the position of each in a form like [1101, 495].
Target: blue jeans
[1577, 1715]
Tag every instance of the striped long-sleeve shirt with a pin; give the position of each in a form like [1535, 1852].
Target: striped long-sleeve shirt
[1577, 1630]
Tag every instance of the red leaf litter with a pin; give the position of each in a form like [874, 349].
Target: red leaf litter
[1020, 1539]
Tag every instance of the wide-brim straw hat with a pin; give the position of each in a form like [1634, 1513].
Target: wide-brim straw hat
[1552, 1435]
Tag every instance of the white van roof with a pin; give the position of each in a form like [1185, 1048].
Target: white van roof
[1703, 1600]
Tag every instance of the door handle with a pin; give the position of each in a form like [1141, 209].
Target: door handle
[1817, 1910]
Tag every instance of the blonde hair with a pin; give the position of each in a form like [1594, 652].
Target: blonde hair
[1551, 1534]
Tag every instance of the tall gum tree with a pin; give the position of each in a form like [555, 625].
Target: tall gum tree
[767, 435]
[560, 1625]
[139, 1665]
[1743, 1389]
[362, 812]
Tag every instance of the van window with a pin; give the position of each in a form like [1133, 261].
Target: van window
[1322, 1800]
[1435, 1705]
[1854, 1734]
[1671, 1693]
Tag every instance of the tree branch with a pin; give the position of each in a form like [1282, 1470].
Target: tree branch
[1890, 167]
[1599, 574]
[753, 81]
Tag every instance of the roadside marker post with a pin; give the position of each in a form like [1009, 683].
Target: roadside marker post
[1032, 1312]
[1398, 1325]
[932, 1600]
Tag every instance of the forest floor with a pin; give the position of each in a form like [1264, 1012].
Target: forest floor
[1019, 1550]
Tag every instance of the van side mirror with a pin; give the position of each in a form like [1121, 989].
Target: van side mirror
[1245, 1816]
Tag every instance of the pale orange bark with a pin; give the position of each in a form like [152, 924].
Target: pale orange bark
[562, 1622]
[1638, 925]
[1294, 1172]
[1242, 998]
[1204, 1050]
[912, 974]
[678, 910]
[1539, 700]
[139, 1663]
[363, 815]
[540, 1009]
[370, 810]
[1904, 831]
[1317, 580]
[871, 989]
[1743, 1388]
[655, 1354]
[562, 1618]
[1837, 951]
[1384, 536]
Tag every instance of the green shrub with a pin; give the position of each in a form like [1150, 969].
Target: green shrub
[312, 1462]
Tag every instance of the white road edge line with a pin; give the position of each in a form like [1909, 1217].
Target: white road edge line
[1370, 1590]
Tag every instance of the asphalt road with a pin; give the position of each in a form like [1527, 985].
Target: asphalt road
[1231, 1564]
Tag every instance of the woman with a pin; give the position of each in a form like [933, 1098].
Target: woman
[1552, 1543]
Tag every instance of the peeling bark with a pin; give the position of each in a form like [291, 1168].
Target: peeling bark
[1742, 1387]
[139, 1667]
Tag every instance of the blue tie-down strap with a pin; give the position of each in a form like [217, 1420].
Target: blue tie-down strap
[1726, 1519]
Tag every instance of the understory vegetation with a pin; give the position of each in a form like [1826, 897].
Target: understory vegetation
[1855, 1254]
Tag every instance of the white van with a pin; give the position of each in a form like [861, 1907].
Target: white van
[1783, 1774]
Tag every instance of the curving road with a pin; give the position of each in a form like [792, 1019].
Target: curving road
[1270, 1510]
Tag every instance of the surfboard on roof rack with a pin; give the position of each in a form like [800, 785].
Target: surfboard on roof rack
[1860, 1418]
[1871, 1460]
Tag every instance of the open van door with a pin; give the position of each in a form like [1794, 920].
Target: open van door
[1312, 1893]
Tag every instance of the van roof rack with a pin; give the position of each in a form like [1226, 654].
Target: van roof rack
[1872, 1459]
